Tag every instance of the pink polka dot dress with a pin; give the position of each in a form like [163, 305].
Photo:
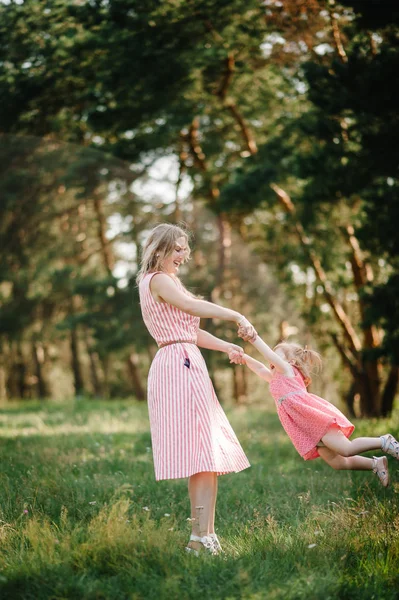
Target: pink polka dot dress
[305, 417]
[189, 430]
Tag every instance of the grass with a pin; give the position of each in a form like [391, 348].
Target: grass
[82, 517]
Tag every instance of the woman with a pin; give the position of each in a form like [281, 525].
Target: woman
[191, 436]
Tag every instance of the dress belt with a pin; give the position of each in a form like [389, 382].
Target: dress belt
[176, 342]
[281, 400]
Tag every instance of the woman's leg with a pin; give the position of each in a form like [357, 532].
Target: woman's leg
[336, 441]
[213, 506]
[202, 490]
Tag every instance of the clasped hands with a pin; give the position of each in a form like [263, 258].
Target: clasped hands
[247, 332]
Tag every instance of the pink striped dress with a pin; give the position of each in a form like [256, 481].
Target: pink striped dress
[190, 432]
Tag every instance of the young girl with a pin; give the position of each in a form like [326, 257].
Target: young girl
[315, 426]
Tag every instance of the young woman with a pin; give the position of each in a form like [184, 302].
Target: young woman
[191, 436]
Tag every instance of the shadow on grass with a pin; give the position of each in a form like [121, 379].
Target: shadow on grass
[268, 571]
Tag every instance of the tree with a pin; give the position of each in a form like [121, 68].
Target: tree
[343, 186]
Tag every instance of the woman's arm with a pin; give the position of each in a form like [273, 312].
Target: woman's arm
[211, 342]
[163, 289]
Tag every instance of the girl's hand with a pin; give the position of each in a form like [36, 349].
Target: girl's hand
[246, 330]
[236, 354]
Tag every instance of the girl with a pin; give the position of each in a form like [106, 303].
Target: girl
[315, 426]
[191, 436]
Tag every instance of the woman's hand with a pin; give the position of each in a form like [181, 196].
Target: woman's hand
[246, 330]
[236, 354]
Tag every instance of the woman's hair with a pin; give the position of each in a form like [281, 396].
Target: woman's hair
[308, 362]
[160, 244]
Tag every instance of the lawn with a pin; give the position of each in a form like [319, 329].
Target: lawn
[82, 517]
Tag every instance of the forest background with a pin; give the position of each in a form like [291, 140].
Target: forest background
[269, 127]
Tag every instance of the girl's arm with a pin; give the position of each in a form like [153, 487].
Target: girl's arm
[258, 368]
[211, 342]
[281, 365]
[163, 289]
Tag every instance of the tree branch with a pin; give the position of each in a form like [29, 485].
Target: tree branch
[337, 37]
[246, 133]
[341, 316]
[230, 65]
[362, 275]
[346, 357]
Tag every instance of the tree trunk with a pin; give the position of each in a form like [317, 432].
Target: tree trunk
[362, 276]
[76, 363]
[106, 250]
[224, 254]
[350, 399]
[388, 395]
[239, 384]
[132, 364]
[95, 379]
[20, 368]
[178, 214]
[38, 359]
[105, 362]
[3, 379]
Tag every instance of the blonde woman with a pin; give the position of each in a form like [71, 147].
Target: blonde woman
[191, 436]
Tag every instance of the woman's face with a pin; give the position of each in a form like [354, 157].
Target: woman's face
[172, 262]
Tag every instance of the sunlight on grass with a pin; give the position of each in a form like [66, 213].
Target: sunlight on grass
[100, 421]
[81, 514]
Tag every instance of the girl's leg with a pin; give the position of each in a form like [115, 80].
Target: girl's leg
[379, 465]
[201, 488]
[336, 441]
[343, 463]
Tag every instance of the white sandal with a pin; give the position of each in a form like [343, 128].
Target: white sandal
[207, 541]
[381, 470]
[216, 542]
[390, 445]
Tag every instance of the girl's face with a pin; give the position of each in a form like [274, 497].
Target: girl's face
[172, 262]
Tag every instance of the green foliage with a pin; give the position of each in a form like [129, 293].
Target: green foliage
[242, 95]
[81, 514]
[338, 161]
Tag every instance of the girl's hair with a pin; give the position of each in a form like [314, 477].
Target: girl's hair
[308, 362]
[160, 244]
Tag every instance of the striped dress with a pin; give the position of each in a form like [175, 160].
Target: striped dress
[190, 432]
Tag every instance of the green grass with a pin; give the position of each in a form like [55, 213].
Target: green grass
[82, 517]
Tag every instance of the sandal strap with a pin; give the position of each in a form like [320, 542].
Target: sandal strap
[381, 470]
[390, 445]
[207, 541]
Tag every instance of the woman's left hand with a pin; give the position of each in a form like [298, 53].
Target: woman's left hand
[246, 330]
